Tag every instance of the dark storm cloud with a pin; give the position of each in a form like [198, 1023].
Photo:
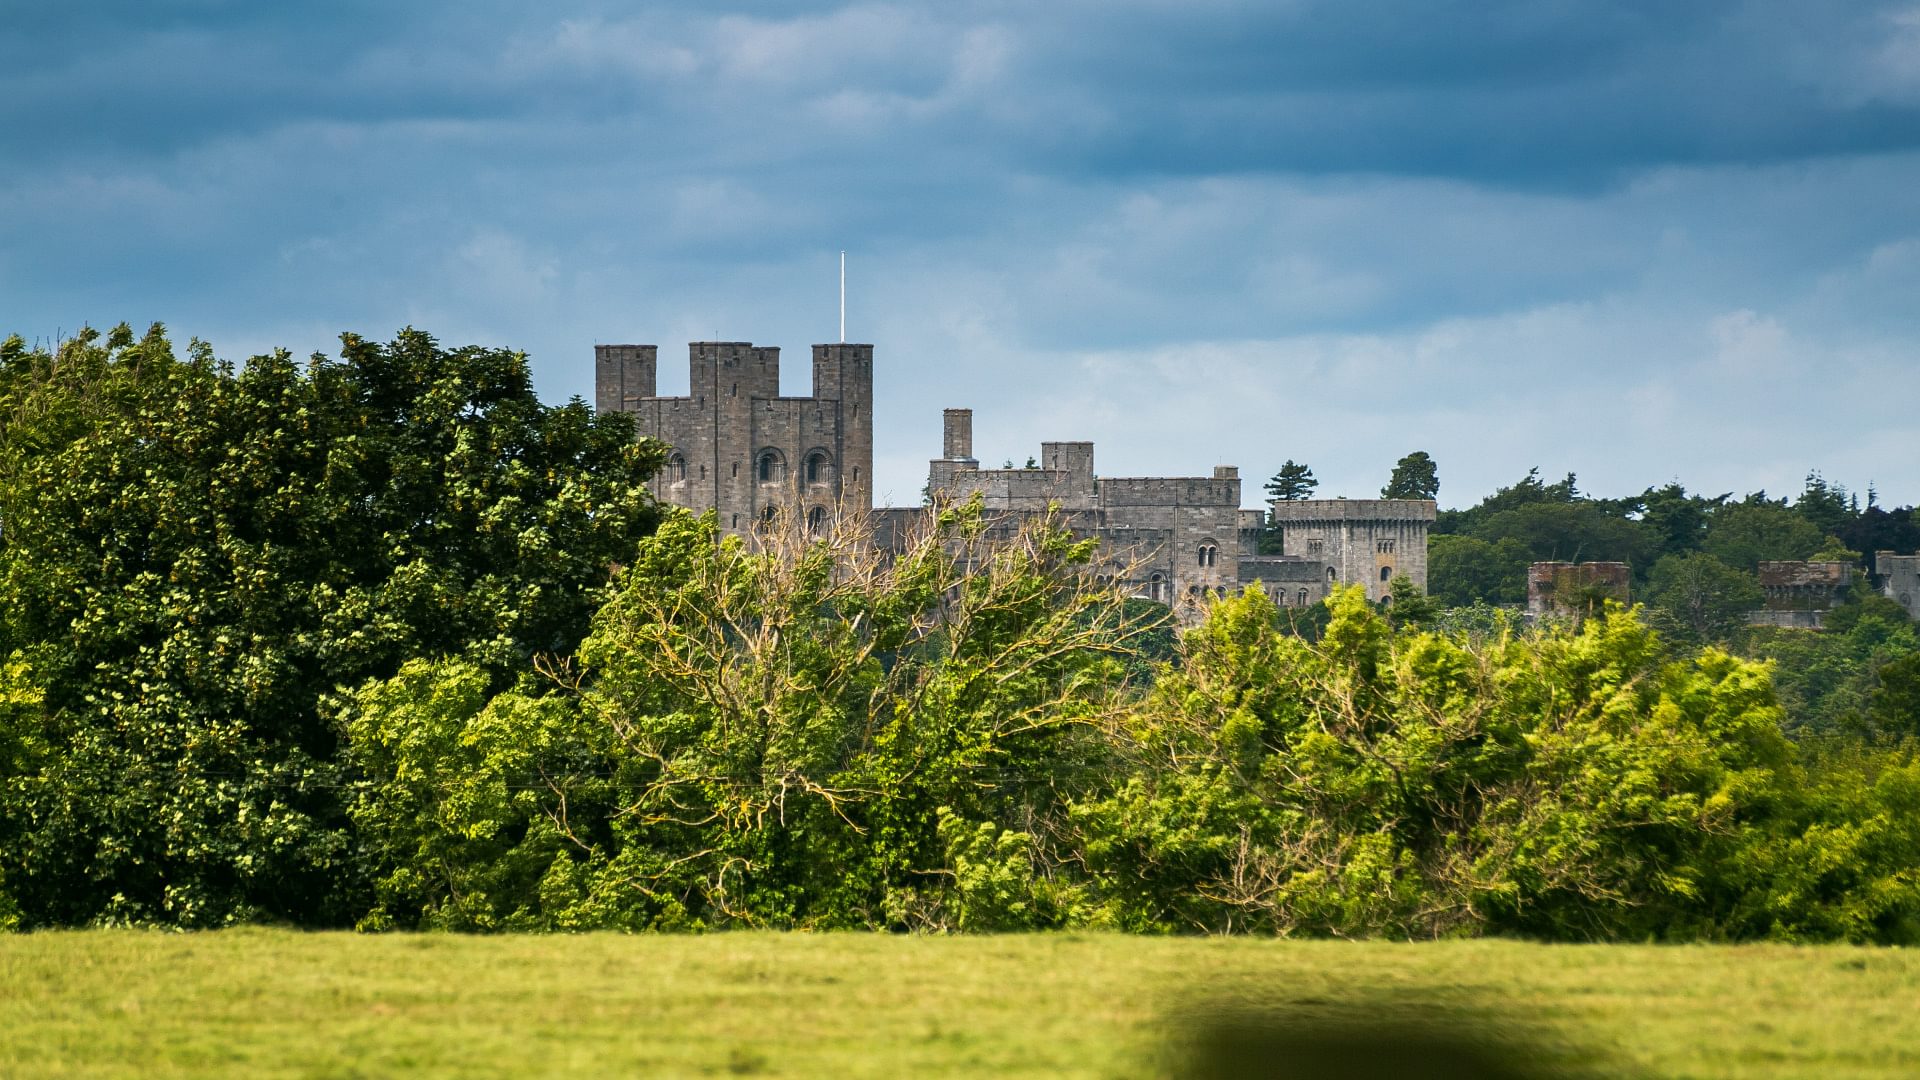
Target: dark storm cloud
[1433, 223]
[1536, 92]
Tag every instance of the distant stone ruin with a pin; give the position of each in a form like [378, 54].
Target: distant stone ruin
[1565, 588]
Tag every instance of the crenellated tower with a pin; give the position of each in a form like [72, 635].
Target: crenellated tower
[740, 448]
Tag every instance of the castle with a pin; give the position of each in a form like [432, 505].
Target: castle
[742, 450]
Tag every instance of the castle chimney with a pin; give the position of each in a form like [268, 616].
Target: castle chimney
[958, 441]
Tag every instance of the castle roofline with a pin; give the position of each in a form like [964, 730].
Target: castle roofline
[1354, 510]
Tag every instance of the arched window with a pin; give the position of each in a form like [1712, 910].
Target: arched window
[1303, 598]
[819, 467]
[676, 467]
[1157, 588]
[1386, 573]
[767, 515]
[1332, 575]
[1209, 552]
[816, 519]
[770, 467]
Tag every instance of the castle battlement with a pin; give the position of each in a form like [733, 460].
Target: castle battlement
[743, 449]
[738, 446]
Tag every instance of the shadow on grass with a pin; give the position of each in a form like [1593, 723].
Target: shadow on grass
[1384, 1036]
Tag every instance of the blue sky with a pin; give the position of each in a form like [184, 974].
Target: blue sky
[1638, 241]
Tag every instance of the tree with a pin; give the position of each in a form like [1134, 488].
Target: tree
[1895, 705]
[1677, 519]
[1565, 784]
[1746, 534]
[1701, 597]
[1407, 607]
[795, 732]
[1414, 477]
[1571, 531]
[1876, 530]
[198, 558]
[1825, 505]
[1292, 483]
[1463, 570]
[1525, 492]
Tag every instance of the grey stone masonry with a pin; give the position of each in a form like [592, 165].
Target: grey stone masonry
[1171, 539]
[1368, 541]
[755, 457]
[740, 448]
[1899, 579]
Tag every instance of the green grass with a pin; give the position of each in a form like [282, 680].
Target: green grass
[261, 1003]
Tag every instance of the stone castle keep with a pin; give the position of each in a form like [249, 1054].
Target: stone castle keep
[741, 449]
[738, 446]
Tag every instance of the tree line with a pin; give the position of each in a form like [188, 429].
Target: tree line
[380, 640]
[1694, 561]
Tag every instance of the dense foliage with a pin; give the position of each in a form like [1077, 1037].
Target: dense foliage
[782, 733]
[383, 641]
[197, 561]
[790, 735]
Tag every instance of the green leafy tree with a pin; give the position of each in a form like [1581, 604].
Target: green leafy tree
[1572, 531]
[1701, 598]
[1292, 483]
[1895, 704]
[1414, 477]
[1408, 607]
[1462, 570]
[1530, 489]
[1678, 520]
[1411, 785]
[1746, 534]
[793, 732]
[1568, 784]
[1826, 506]
[199, 559]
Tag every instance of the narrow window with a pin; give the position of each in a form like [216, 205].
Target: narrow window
[1386, 573]
[1303, 598]
[816, 518]
[1332, 575]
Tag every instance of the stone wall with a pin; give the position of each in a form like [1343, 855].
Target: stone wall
[740, 448]
[1368, 541]
[1289, 580]
[1796, 585]
[1899, 579]
[1562, 587]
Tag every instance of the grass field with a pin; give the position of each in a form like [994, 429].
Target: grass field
[261, 1003]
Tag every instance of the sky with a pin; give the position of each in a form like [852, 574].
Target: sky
[1640, 242]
